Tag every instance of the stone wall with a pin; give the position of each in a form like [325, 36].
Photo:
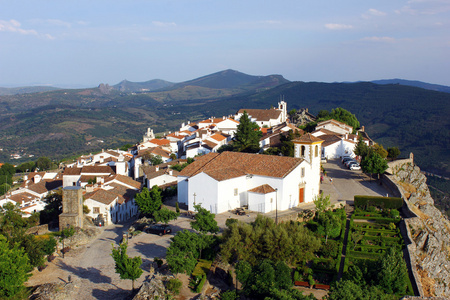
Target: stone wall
[425, 230]
[40, 229]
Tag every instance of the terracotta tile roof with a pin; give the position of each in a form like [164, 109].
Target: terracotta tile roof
[227, 165]
[72, 171]
[330, 139]
[307, 138]
[160, 172]
[262, 114]
[102, 196]
[97, 170]
[123, 191]
[113, 153]
[325, 131]
[160, 142]
[154, 151]
[22, 197]
[44, 186]
[209, 144]
[124, 179]
[218, 137]
[333, 121]
[263, 189]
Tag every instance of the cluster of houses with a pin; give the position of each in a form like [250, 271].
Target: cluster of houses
[218, 181]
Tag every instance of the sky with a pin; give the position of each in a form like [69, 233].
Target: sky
[79, 43]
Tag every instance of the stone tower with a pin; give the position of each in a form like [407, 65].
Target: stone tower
[72, 203]
[149, 135]
[282, 105]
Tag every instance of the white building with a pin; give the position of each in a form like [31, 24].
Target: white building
[222, 182]
[266, 117]
[335, 126]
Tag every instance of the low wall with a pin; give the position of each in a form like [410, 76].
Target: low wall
[40, 229]
[396, 164]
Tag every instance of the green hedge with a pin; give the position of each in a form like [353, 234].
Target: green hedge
[364, 255]
[381, 202]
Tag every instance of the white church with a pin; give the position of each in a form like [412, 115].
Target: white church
[264, 183]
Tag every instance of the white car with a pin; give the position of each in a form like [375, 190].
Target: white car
[355, 167]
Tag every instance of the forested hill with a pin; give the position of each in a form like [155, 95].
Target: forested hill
[65, 122]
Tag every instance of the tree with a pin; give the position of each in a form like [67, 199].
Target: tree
[393, 152]
[53, 207]
[156, 160]
[322, 202]
[345, 289]
[183, 252]
[374, 164]
[362, 149]
[126, 267]
[393, 273]
[204, 221]
[149, 201]
[247, 135]
[126, 147]
[378, 148]
[341, 115]
[164, 215]
[14, 268]
[43, 163]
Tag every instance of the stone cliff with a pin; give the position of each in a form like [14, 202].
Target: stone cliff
[428, 230]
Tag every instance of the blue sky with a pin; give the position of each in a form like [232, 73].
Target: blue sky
[66, 42]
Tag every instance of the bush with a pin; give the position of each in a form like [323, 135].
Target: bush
[228, 295]
[49, 245]
[376, 201]
[158, 261]
[174, 285]
[177, 207]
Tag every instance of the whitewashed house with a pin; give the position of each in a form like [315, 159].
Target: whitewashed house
[225, 181]
[266, 117]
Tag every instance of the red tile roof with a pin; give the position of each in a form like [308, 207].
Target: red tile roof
[124, 179]
[72, 171]
[22, 197]
[227, 165]
[262, 114]
[97, 170]
[102, 196]
[307, 138]
[160, 142]
[263, 189]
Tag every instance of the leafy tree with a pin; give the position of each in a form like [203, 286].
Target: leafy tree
[341, 115]
[53, 207]
[164, 215]
[26, 167]
[126, 267]
[393, 273]
[322, 202]
[149, 201]
[4, 188]
[183, 252]
[289, 242]
[362, 149]
[12, 225]
[49, 246]
[126, 147]
[43, 163]
[393, 152]
[345, 289]
[226, 147]
[14, 268]
[329, 225]
[174, 285]
[378, 148]
[7, 169]
[204, 221]
[374, 164]
[156, 160]
[247, 135]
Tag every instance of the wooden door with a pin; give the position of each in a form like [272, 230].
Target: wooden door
[301, 196]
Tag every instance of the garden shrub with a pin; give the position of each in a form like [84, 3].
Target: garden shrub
[174, 285]
[376, 201]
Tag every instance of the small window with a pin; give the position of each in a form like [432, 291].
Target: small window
[235, 192]
[303, 172]
[96, 210]
[303, 151]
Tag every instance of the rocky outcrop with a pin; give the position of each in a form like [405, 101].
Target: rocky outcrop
[429, 231]
[152, 289]
[54, 291]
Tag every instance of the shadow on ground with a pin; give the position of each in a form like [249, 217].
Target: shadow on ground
[92, 274]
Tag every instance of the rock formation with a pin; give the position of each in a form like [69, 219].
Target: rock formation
[429, 231]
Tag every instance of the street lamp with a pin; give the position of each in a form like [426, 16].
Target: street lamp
[276, 206]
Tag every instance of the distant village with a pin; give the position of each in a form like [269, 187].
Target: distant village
[218, 181]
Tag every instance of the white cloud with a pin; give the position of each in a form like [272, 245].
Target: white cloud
[333, 26]
[15, 26]
[375, 12]
[383, 39]
[164, 24]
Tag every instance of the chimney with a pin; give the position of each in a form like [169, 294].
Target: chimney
[170, 172]
[157, 168]
[362, 128]
[224, 117]
[103, 150]
[189, 122]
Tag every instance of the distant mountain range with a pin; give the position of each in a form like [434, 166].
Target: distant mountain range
[26, 90]
[420, 84]
[66, 122]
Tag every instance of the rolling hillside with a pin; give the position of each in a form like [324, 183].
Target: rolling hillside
[66, 122]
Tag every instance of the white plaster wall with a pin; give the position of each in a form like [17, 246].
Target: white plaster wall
[103, 209]
[68, 180]
[262, 203]
[226, 198]
[183, 189]
[161, 180]
[205, 189]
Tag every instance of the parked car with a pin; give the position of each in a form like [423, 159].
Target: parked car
[345, 159]
[355, 167]
[159, 229]
[348, 162]
[351, 163]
